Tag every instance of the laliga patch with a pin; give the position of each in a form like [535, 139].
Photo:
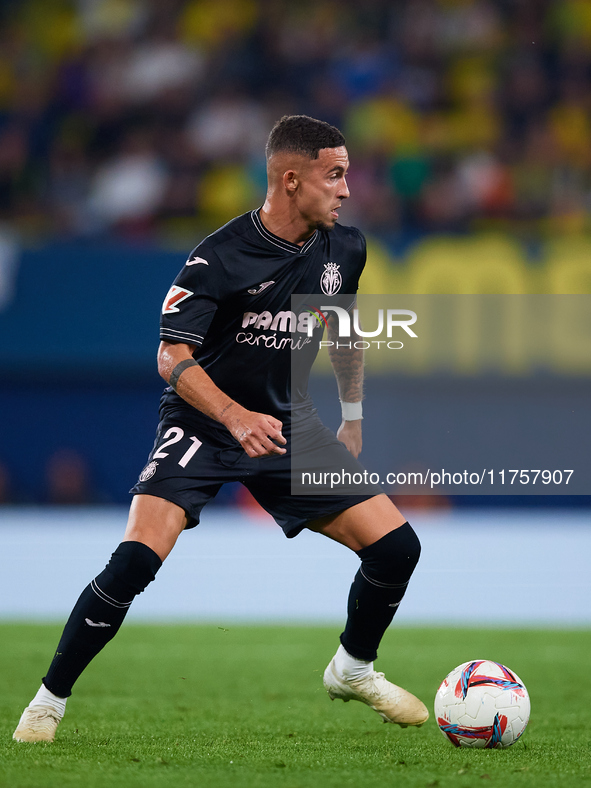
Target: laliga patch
[173, 298]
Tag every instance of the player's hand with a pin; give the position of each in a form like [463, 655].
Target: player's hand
[349, 433]
[258, 433]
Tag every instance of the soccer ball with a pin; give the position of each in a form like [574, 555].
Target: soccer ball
[482, 704]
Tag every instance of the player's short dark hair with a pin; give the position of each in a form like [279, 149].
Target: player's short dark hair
[304, 135]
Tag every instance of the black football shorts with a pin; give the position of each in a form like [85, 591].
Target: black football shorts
[189, 471]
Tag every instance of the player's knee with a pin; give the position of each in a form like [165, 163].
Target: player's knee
[132, 567]
[392, 559]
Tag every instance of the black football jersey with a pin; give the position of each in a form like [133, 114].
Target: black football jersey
[233, 301]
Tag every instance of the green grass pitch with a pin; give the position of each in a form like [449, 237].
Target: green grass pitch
[211, 707]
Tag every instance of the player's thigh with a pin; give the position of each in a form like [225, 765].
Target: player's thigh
[155, 522]
[362, 524]
[184, 472]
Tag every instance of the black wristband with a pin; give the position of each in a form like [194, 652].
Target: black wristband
[179, 369]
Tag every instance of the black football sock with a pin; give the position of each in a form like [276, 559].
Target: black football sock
[377, 590]
[99, 612]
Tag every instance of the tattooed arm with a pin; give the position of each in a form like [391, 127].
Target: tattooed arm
[347, 364]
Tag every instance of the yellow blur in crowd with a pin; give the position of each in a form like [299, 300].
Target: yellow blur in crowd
[480, 264]
[146, 119]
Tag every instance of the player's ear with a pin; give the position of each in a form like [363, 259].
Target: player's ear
[291, 181]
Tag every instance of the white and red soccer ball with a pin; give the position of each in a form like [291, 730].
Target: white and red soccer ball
[482, 704]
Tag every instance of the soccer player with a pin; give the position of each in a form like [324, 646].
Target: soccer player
[228, 333]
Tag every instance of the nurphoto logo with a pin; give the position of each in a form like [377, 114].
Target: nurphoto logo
[395, 318]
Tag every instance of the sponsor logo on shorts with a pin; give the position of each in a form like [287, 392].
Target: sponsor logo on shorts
[148, 471]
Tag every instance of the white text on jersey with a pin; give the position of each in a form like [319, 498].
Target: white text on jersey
[282, 321]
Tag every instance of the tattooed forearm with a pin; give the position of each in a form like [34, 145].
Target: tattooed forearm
[226, 409]
[347, 363]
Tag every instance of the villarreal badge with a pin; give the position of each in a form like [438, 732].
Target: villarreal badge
[148, 471]
[331, 279]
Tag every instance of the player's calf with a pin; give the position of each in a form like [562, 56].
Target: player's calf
[377, 590]
[376, 593]
[99, 613]
[94, 621]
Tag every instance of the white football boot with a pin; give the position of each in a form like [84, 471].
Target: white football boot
[38, 723]
[392, 703]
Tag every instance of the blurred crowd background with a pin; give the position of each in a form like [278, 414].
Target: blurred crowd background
[147, 118]
[129, 129]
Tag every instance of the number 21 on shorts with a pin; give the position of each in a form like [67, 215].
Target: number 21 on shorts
[172, 436]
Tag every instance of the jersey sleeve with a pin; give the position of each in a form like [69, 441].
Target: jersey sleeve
[192, 301]
[358, 258]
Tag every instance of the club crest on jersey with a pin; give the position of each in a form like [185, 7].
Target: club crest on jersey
[331, 280]
[173, 298]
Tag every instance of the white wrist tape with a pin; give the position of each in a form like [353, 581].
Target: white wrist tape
[351, 411]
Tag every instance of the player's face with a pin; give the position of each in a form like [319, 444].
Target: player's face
[323, 187]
